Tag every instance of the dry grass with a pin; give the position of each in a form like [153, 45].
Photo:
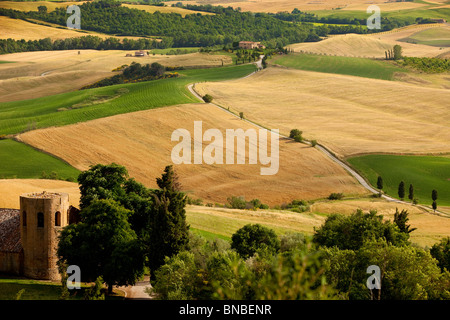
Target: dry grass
[371, 46]
[350, 115]
[33, 5]
[43, 73]
[152, 9]
[141, 141]
[11, 190]
[289, 5]
[430, 228]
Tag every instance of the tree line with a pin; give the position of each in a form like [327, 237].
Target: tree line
[110, 17]
[83, 42]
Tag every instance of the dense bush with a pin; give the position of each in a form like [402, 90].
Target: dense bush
[430, 65]
[252, 238]
[351, 232]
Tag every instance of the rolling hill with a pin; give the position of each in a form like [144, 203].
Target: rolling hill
[142, 142]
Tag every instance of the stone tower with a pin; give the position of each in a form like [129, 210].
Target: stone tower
[42, 216]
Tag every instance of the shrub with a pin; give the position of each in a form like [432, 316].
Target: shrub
[252, 238]
[350, 232]
[237, 202]
[335, 196]
[207, 98]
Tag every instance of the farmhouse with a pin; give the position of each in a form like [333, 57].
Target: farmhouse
[140, 53]
[250, 45]
[28, 237]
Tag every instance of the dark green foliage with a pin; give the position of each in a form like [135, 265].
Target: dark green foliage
[401, 190]
[252, 238]
[380, 182]
[192, 30]
[429, 65]
[434, 205]
[133, 73]
[103, 244]
[352, 231]
[168, 230]
[102, 182]
[434, 195]
[441, 252]
[207, 98]
[411, 192]
[400, 219]
[335, 196]
[397, 52]
[407, 273]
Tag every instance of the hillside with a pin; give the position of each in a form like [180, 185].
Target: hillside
[350, 115]
[44, 73]
[141, 142]
[371, 46]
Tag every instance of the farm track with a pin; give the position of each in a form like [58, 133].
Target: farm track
[322, 148]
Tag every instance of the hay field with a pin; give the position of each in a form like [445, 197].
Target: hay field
[141, 141]
[224, 222]
[350, 115]
[304, 5]
[33, 5]
[152, 9]
[44, 73]
[11, 189]
[370, 46]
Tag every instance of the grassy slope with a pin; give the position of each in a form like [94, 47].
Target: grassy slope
[21, 161]
[425, 173]
[43, 112]
[409, 15]
[361, 67]
[438, 37]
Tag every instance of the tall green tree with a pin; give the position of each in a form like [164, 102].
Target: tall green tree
[103, 245]
[411, 192]
[401, 219]
[254, 237]
[350, 232]
[380, 183]
[168, 230]
[401, 190]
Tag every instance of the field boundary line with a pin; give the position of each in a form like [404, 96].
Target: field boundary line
[324, 150]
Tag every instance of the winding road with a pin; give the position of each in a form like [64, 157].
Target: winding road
[320, 147]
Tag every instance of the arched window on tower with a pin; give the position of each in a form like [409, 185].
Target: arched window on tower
[40, 220]
[24, 218]
[57, 219]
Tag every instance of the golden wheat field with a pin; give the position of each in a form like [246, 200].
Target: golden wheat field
[289, 5]
[33, 5]
[152, 9]
[141, 141]
[11, 189]
[350, 115]
[43, 73]
[370, 46]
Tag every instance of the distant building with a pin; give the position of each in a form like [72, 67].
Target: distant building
[439, 20]
[250, 45]
[140, 53]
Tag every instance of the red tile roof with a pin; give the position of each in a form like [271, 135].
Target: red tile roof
[10, 230]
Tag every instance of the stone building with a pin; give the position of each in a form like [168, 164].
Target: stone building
[29, 236]
[248, 45]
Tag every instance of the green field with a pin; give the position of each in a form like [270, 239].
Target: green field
[90, 104]
[438, 37]
[425, 173]
[21, 161]
[408, 15]
[361, 67]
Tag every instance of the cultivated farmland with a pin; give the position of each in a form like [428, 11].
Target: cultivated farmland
[44, 73]
[349, 115]
[141, 142]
